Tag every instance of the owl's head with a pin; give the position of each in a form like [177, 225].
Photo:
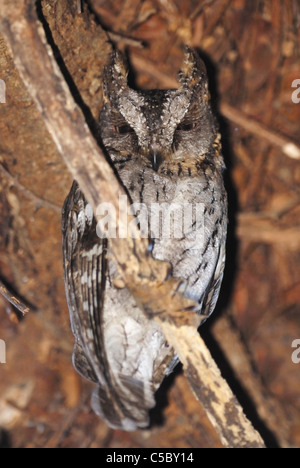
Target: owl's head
[158, 126]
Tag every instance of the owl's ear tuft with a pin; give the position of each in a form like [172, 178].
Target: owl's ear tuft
[119, 67]
[193, 71]
[115, 76]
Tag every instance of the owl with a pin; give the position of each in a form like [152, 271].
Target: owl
[165, 149]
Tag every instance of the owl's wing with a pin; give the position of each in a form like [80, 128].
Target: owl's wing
[85, 268]
[120, 399]
[212, 293]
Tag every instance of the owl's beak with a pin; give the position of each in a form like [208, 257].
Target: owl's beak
[156, 158]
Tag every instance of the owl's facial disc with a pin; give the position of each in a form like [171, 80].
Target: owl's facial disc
[157, 126]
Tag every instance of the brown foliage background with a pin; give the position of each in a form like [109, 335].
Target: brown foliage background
[251, 49]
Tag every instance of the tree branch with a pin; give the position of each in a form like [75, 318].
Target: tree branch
[28, 193]
[147, 279]
[15, 301]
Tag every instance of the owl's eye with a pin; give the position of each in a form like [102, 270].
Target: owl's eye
[187, 126]
[123, 129]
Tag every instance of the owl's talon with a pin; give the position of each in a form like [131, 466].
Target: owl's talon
[119, 283]
[182, 287]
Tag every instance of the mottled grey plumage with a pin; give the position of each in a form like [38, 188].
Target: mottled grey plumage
[166, 149]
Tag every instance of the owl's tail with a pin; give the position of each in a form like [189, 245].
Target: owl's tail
[116, 414]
